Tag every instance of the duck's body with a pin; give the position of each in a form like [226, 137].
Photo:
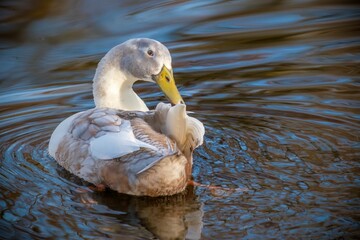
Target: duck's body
[122, 145]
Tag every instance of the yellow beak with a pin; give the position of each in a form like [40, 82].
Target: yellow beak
[166, 82]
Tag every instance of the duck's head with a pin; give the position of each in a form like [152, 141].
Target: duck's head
[149, 60]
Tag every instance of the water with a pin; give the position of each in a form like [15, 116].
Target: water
[276, 84]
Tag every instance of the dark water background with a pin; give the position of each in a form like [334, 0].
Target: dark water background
[276, 83]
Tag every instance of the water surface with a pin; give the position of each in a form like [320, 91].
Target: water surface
[275, 83]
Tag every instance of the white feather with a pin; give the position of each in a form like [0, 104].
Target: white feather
[60, 132]
[117, 144]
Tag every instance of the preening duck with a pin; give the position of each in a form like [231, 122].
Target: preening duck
[122, 145]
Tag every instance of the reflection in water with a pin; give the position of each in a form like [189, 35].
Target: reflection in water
[173, 217]
[176, 217]
[275, 83]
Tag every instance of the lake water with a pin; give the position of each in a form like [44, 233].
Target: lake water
[276, 84]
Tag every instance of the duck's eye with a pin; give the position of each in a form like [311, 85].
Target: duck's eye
[150, 52]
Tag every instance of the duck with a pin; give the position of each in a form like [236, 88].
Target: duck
[121, 144]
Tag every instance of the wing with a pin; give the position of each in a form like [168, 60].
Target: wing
[152, 147]
[103, 134]
[118, 142]
[139, 161]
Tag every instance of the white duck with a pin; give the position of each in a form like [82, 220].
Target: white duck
[122, 145]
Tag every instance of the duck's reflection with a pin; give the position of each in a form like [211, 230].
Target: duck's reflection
[174, 217]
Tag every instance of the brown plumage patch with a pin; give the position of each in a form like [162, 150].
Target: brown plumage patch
[146, 133]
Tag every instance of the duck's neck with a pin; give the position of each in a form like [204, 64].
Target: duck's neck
[112, 88]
